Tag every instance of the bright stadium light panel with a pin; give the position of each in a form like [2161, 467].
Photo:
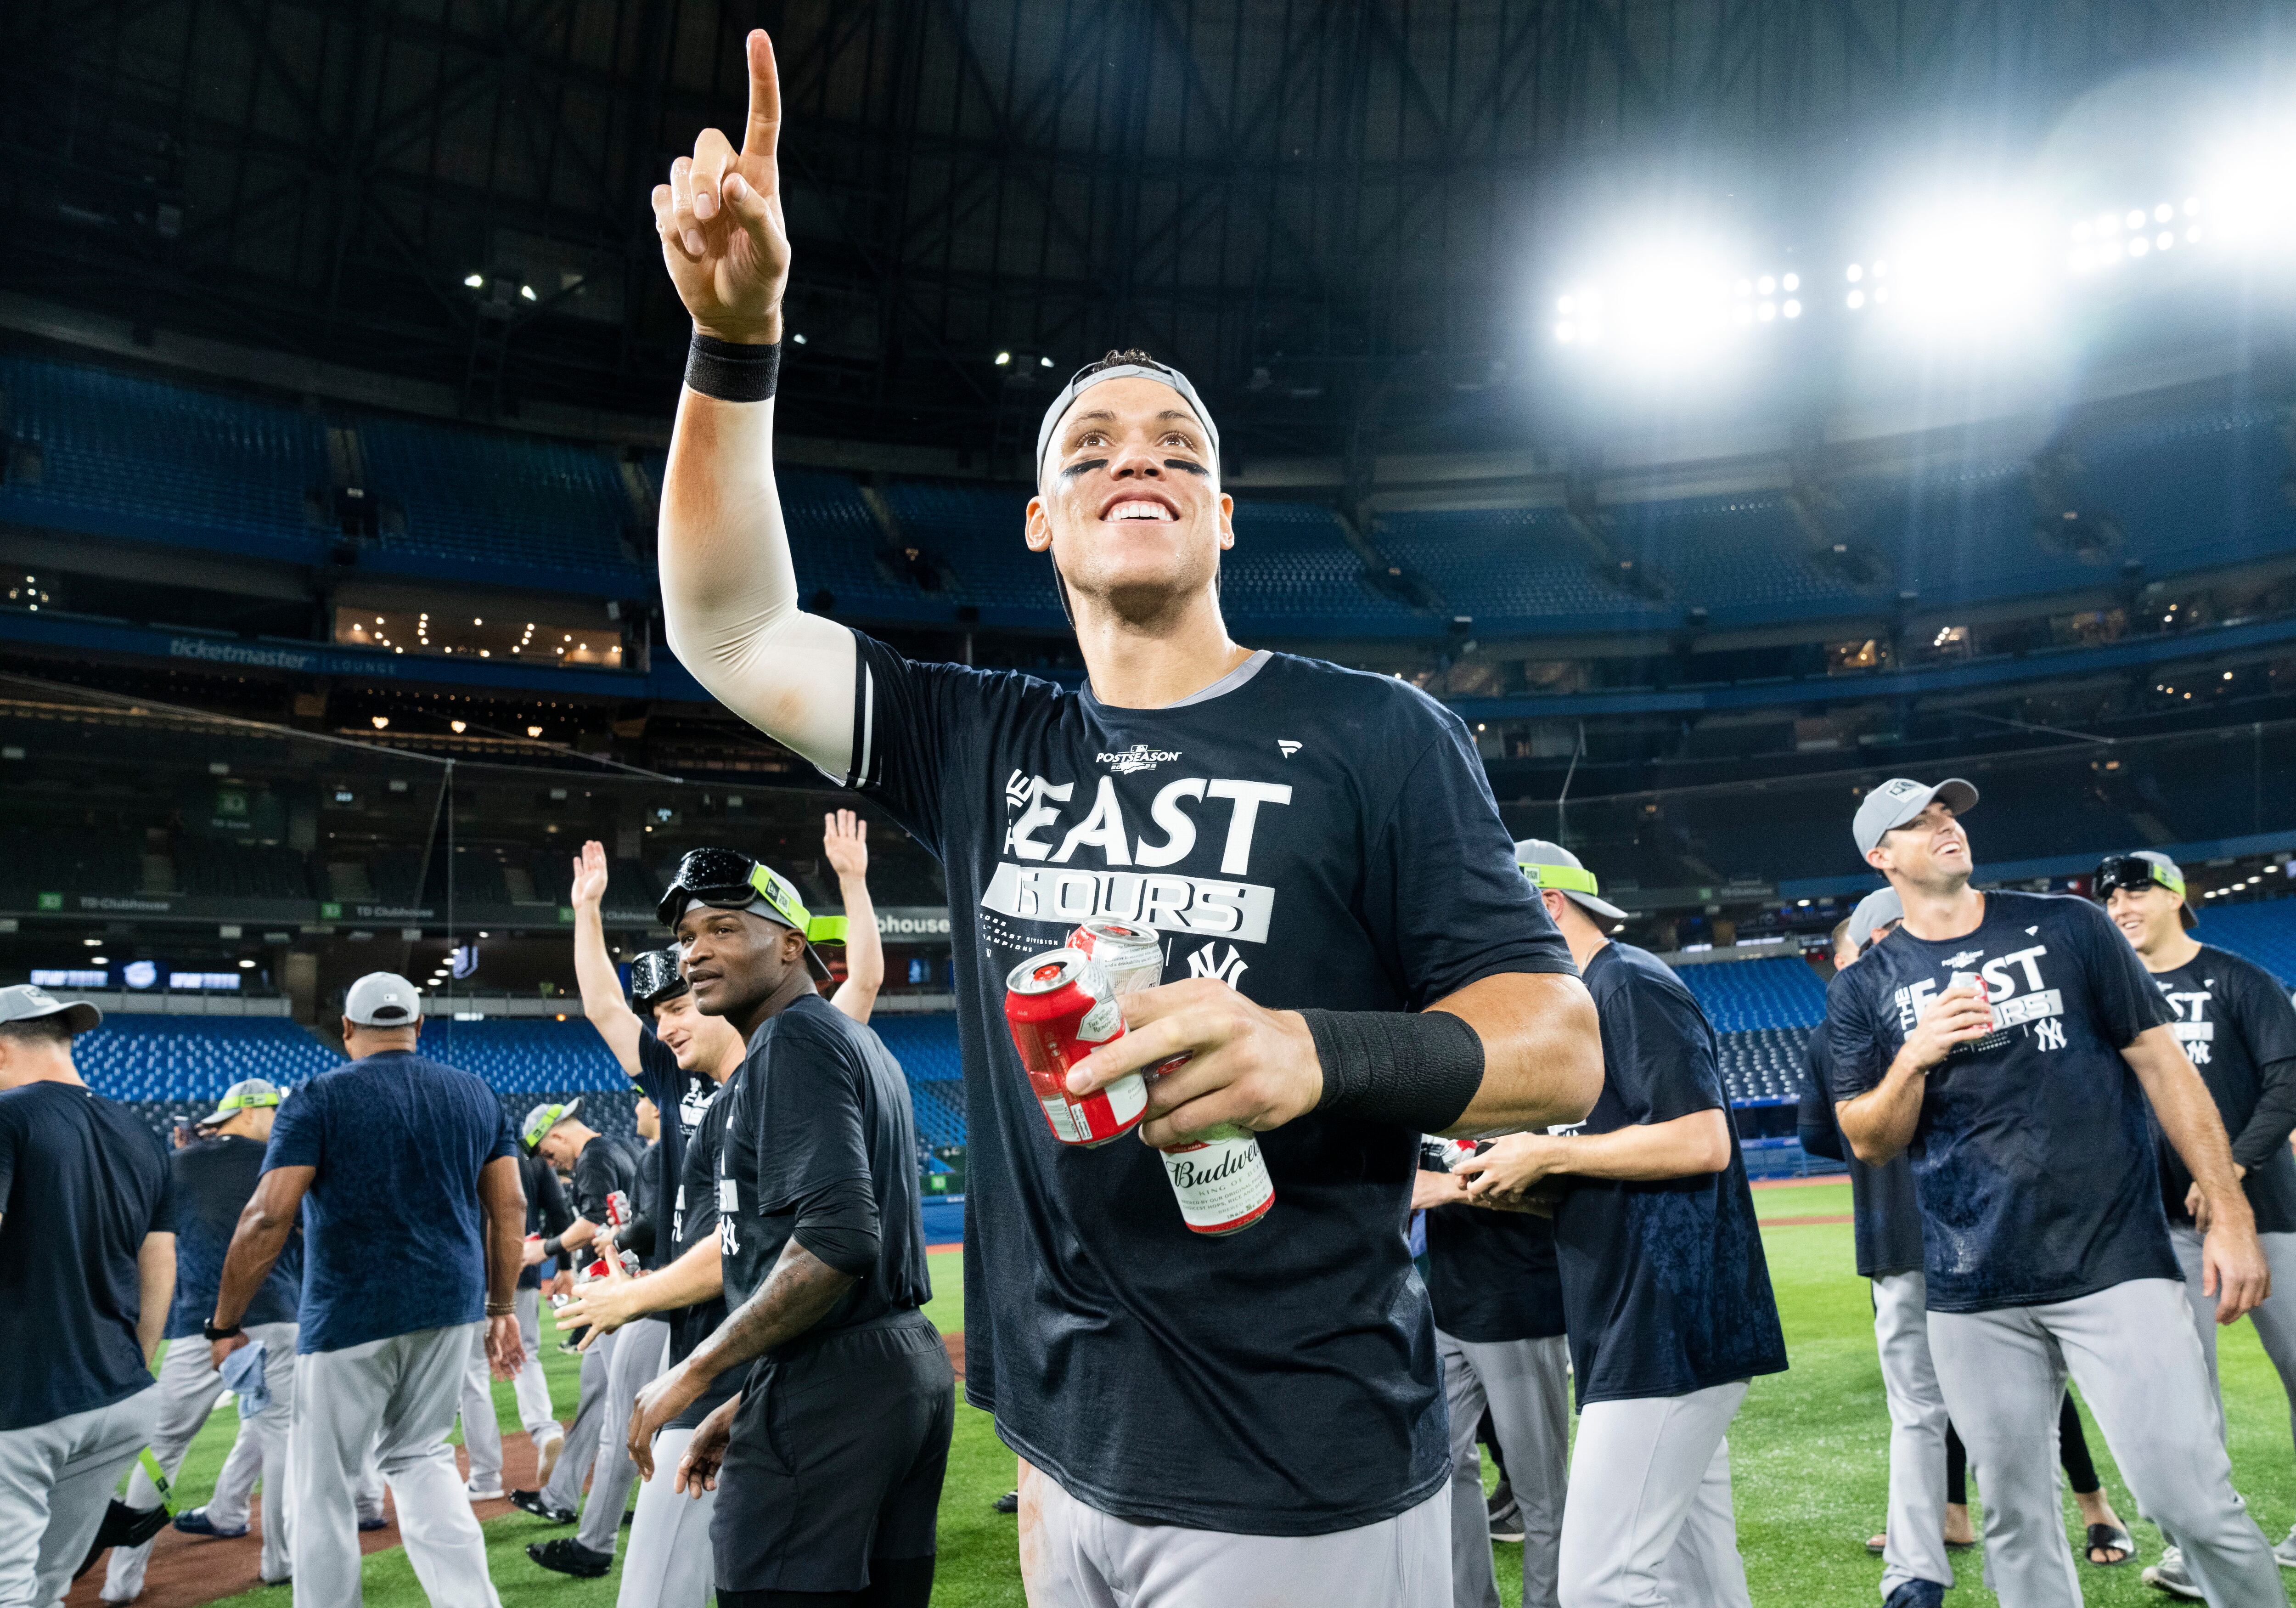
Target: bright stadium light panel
[1962, 268]
[1672, 307]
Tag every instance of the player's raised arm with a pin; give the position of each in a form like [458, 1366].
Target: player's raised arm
[593, 968]
[845, 841]
[728, 587]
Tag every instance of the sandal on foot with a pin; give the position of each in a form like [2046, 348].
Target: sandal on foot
[2109, 1538]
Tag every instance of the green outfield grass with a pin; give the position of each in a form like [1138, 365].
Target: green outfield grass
[1809, 1454]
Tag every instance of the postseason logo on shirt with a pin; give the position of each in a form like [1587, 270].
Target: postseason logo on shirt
[2015, 987]
[1066, 861]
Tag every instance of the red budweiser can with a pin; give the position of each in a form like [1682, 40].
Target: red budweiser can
[1220, 1180]
[1060, 1006]
[1971, 980]
[1132, 956]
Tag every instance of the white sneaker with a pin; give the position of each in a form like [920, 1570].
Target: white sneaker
[489, 1493]
[2284, 1554]
[2169, 1574]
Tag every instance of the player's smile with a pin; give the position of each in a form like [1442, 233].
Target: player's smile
[1140, 504]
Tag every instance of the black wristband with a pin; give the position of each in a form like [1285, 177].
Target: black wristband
[554, 1249]
[730, 371]
[213, 1333]
[1418, 1071]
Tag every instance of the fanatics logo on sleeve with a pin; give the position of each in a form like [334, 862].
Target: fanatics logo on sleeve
[1289, 747]
[1139, 757]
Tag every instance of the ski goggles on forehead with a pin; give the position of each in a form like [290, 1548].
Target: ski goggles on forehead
[654, 977]
[1562, 879]
[726, 880]
[2134, 871]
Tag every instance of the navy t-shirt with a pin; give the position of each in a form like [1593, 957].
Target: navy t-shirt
[822, 1103]
[2234, 1021]
[1888, 1216]
[2033, 1152]
[82, 1183]
[214, 1179]
[693, 1220]
[682, 1097]
[1491, 1274]
[1314, 837]
[1664, 1284]
[398, 1141]
[605, 1167]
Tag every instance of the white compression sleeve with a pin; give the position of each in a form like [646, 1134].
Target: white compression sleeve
[729, 589]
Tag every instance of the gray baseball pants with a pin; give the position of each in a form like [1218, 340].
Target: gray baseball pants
[565, 1487]
[2275, 1320]
[1075, 1557]
[1915, 1549]
[189, 1384]
[670, 1563]
[242, 1466]
[1526, 1384]
[641, 1349]
[397, 1398]
[481, 1428]
[2131, 1350]
[1648, 1519]
[56, 1481]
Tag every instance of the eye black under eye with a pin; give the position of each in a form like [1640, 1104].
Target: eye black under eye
[1188, 465]
[1085, 466]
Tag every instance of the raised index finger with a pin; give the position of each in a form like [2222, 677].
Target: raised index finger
[764, 131]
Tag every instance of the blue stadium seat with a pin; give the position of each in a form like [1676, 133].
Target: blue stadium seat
[1741, 552]
[926, 1046]
[1519, 565]
[529, 1056]
[471, 496]
[153, 461]
[2264, 932]
[1746, 996]
[143, 1059]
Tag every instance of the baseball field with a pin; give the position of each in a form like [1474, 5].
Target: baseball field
[1809, 1454]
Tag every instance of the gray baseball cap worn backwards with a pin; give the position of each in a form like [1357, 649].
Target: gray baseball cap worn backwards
[1085, 378]
[383, 999]
[28, 1002]
[1900, 799]
[1552, 865]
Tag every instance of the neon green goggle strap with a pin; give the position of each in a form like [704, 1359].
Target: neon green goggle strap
[789, 910]
[2162, 875]
[539, 1124]
[1562, 879]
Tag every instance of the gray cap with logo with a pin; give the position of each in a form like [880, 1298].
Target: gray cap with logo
[383, 999]
[28, 1002]
[249, 1093]
[1900, 799]
[1552, 865]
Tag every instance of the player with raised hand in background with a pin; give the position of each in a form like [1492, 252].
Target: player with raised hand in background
[1320, 850]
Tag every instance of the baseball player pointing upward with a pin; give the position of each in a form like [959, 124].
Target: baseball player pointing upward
[1320, 849]
[2011, 1042]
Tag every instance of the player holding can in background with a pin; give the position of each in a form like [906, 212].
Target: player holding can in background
[1665, 1289]
[2236, 1025]
[1323, 840]
[2023, 1105]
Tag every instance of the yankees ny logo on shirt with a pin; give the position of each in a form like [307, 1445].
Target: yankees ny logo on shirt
[2015, 988]
[2192, 1027]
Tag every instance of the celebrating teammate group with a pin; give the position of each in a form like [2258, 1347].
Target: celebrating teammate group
[1500, 1153]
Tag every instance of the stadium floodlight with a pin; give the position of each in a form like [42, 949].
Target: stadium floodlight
[2248, 199]
[527, 291]
[1044, 363]
[475, 281]
[1964, 268]
[1669, 305]
[381, 722]
[1002, 358]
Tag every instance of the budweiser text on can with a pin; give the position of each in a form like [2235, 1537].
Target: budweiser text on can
[1132, 956]
[1220, 1178]
[1061, 1007]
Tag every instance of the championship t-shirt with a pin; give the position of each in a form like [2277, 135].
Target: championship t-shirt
[1491, 1274]
[681, 1097]
[1313, 837]
[2236, 1021]
[82, 1182]
[1664, 1284]
[398, 1141]
[606, 1166]
[2033, 1152]
[214, 1179]
[823, 1105]
[693, 1220]
[1888, 1218]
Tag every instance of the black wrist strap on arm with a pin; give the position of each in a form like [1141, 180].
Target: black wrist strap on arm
[731, 372]
[554, 1249]
[1415, 1070]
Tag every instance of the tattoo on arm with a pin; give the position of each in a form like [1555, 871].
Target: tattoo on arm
[796, 1295]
